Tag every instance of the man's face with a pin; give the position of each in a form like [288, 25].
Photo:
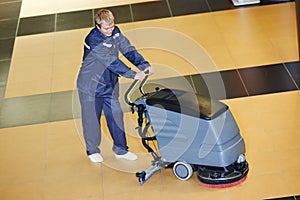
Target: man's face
[107, 28]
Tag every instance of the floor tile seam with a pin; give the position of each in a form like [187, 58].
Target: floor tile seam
[243, 82]
[167, 1]
[10, 38]
[285, 198]
[169, 8]
[55, 23]
[7, 38]
[92, 9]
[53, 119]
[290, 75]
[5, 59]
[226, 46]
[208, 5]
[284, 64]
[10, 2]
[8, 19]
[45, 162]
[193, 85]
[234, 7]
[50, 120]
[4, 84]
[130, 5]
[72, 28]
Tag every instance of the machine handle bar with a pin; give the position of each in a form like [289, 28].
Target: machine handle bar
[130, 89]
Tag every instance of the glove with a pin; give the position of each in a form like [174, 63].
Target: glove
[140, 75]
[149, 70]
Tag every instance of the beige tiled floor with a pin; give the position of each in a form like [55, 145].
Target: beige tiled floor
[48, 161]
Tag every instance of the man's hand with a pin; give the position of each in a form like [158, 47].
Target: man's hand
[140, 75]
[149, 70]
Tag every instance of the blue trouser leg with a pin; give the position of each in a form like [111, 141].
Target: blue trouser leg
[114, 118]
[90, 124]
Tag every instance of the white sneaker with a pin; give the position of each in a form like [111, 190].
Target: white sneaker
[96, 158]
[127, 156]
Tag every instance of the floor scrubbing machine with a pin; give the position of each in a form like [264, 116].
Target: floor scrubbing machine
[190, 133]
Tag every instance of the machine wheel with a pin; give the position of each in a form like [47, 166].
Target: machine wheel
[182, 170]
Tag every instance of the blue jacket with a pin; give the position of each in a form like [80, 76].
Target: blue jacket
[101, 65]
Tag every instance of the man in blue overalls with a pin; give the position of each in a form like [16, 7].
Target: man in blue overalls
[98, 85]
